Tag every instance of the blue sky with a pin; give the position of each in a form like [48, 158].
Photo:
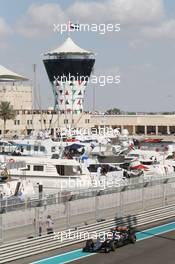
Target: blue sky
[142, 52]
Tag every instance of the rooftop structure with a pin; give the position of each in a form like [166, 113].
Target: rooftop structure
[68, 47]
[13, 89]
[8, 75]
[68, 68]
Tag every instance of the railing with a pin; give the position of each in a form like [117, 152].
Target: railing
[15, 203]
[20, 219]
[38, 245]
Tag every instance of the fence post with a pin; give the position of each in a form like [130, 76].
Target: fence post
[121, 203]
[142, 198]
[68, 213]
[1, 228]
[97, 205]
[36, 221]
[165, 202]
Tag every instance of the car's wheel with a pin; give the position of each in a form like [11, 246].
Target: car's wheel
[133, 239]
[112, 246]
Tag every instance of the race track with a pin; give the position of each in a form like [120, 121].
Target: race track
[156, 250]
[155, 245]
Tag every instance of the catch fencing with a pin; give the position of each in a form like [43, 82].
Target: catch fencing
[21, 219]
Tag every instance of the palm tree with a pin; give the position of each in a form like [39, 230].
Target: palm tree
[6, 112]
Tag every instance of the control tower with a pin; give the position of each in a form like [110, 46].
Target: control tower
[69, 68]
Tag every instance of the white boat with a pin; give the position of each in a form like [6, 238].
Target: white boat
[144, 155]
[39, 147]
[7, 147]
[16, 187]
[54, 174]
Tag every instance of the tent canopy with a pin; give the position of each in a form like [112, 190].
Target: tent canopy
[8, 75]
[68, 47]
[74, 146]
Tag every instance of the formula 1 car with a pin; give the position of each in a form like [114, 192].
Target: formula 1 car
[123, 235]
[119, 236]
[98, 246]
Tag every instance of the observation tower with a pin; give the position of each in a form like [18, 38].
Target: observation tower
[68, 68]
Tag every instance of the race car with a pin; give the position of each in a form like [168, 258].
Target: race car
[123, 235]
[99, 246]
[117, 237]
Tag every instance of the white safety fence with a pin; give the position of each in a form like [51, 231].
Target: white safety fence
[70, 212]
[18, 250]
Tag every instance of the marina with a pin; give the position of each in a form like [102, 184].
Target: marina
[87, 132]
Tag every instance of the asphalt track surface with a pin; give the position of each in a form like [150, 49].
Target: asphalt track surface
[156, 250]
[139, 253]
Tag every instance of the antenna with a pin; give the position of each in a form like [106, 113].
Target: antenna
[93, 106]
[33, 91]
[68, 29]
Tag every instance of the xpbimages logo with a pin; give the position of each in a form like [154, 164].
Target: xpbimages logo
[79, 235]
[100, 28]
[102, 80]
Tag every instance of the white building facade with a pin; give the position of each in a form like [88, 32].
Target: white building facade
[18, 94]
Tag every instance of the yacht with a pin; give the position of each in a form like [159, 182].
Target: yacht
[13, 186]
[39, 147]
[54, 174]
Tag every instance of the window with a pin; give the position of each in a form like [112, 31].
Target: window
[28, 148]
[29, 122]
[35, 148]
[16, 122]
[38, 168]
[53, 149]
[66, 121]
[87, 121]
[42, 148]
[68, 170]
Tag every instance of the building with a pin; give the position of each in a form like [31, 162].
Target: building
[69, 68]
[26, 120]
[18, 94]
[138, 124]
[69, 98]
[15, 89]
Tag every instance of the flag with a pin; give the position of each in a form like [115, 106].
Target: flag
[131, 146]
